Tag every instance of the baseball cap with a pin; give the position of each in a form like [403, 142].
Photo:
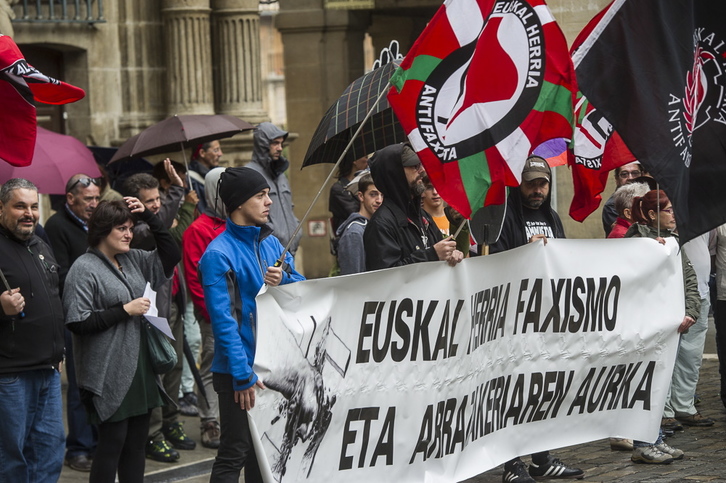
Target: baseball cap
[535, 168]
[409, 156]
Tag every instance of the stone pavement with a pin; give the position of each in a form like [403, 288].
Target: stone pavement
[705, 449]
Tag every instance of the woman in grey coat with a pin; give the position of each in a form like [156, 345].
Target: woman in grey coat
[104, 307]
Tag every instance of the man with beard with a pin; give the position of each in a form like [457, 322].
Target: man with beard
[529, 215]
[530, 218]
[68, 236]
[267, 159]
[32, 440]
[400, 232]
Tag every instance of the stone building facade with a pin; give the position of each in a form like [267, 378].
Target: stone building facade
[147, 60]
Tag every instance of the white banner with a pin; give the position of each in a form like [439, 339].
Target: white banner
[432, 373]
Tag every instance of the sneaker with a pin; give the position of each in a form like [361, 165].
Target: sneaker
[695, 420]
[670, 424]
[517, 473]
[651, 455]
[174, 433]
[210, 434]
[674, 452]
[80, 462]
[161, 451]
[187, 408]
[621, 444]
[554, 468]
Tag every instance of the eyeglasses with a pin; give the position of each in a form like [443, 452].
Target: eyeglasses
[85, 182]
[667, 210]
[629, 174]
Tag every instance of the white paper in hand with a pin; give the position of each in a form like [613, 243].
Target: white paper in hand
[152, 315]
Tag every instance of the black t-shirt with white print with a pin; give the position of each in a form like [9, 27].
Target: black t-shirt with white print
[536, 223]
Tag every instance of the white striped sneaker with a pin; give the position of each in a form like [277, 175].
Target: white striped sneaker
[554, 468]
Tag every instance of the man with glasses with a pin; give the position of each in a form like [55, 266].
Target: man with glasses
[267, 159]
[67, 232]
[623, 175]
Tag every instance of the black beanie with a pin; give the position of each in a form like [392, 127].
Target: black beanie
[237, 185]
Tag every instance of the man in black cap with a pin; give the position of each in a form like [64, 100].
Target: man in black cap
[530, 218]
[231, 277]
[400, 232]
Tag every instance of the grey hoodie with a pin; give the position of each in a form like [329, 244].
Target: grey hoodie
[214, 206]
[282, 217]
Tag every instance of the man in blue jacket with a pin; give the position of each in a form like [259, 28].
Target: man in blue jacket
[233, 269]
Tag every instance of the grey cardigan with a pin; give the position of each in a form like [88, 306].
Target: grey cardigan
[106, 362]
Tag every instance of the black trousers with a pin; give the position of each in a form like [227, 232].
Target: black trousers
[236, 450]
[122, 446]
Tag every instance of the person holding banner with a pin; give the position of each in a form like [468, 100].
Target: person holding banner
[400, 232]
[351, 254]
[530, 218]
[654, 218]
[234, 267]
[529, 215]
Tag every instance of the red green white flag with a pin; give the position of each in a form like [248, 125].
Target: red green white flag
[485, 83]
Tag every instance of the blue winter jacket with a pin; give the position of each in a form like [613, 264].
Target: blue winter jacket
[231, 271]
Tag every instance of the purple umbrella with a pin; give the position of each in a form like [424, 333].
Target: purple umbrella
[57, 157]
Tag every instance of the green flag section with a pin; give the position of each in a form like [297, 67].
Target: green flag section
[485, 83]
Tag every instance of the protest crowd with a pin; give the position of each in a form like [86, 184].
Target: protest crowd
[141, 293]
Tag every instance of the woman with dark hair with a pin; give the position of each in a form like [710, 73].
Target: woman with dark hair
[104, 307]
[653, 216]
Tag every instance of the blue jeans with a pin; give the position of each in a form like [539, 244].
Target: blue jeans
[32, 439]
[82, 437]
[643, 444]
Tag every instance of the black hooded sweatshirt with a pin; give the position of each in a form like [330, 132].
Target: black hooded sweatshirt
[513, 231]
[399, 232]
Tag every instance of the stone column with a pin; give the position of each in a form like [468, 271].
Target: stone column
[237, 65]
[188, 56]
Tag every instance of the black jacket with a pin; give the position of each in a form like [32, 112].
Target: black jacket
[37, 340]
[513, 234]
[399, 232]
[68, 238]
[341, 203]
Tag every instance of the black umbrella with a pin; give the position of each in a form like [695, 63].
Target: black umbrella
[345, 116]
[179, 132]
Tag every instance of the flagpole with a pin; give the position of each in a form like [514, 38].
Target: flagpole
[657, 205]
[340, 160]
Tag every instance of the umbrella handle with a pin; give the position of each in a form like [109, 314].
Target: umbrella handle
[330, 175]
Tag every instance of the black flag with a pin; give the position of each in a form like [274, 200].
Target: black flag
[657, 70]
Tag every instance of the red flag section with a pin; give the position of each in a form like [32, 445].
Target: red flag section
[20, 86]
[596, 148]
[485, 83]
